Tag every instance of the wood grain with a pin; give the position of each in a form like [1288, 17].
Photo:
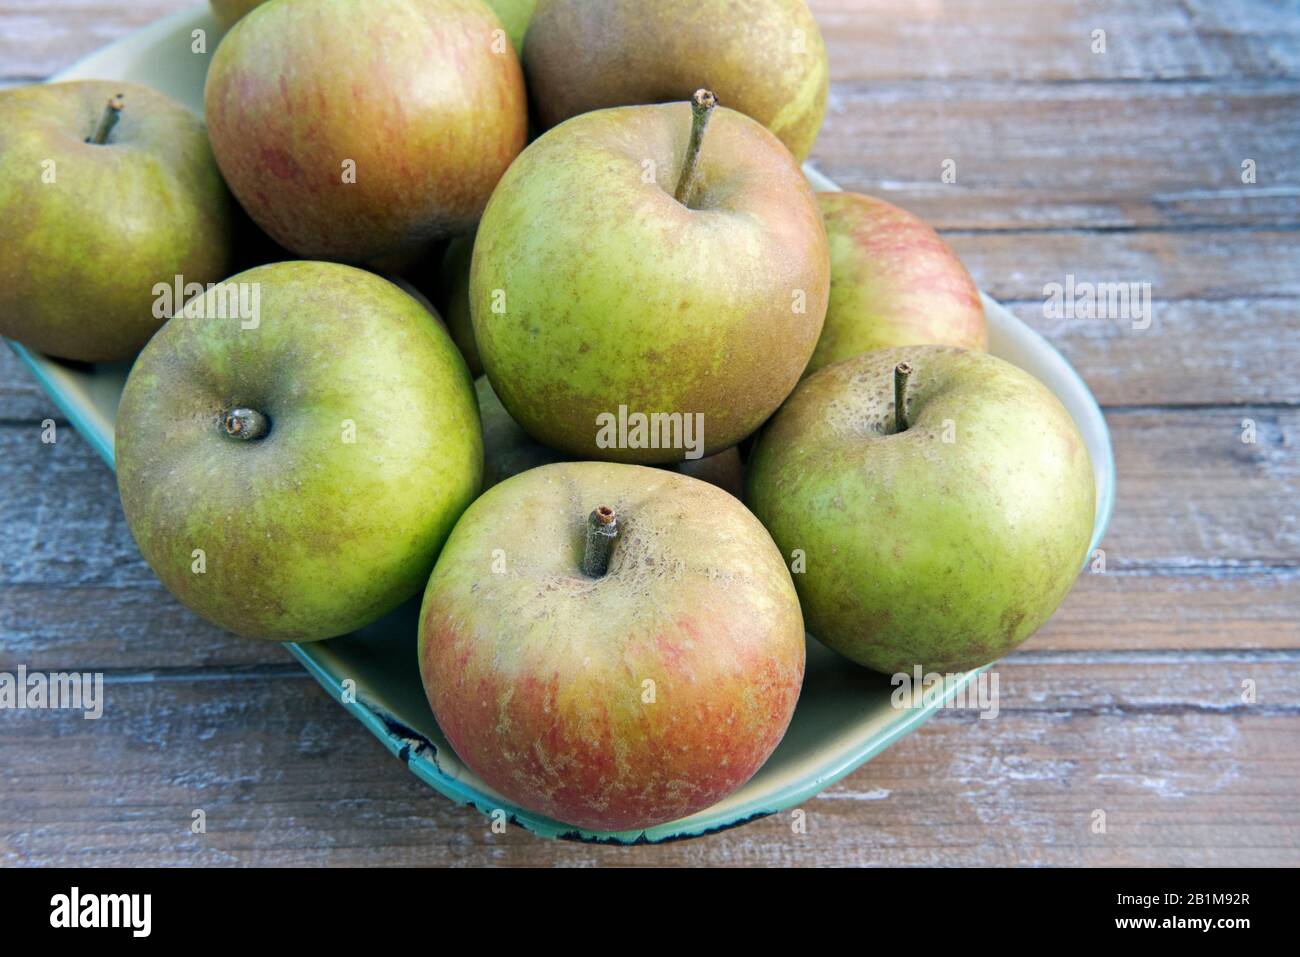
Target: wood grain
[1117, 167]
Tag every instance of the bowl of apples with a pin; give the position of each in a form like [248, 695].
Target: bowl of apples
[693, 464]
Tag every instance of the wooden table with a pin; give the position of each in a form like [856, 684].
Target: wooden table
[1121, 166]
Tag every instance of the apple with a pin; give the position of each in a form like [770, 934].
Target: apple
[509, 450]
[106, 190]
[290, 468]
[764, 58]
[601, 291]
[610, 645]
[452, 297]
[229, 11]
[365, 130]
[894, 282]
[942, 540]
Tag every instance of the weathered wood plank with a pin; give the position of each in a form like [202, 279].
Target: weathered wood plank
[1193, 494]
[1071, 155]
[1190, 775]
[137, 628]
[1033, 40]
[1209, 265]
[1195, 352]
[1197, 609]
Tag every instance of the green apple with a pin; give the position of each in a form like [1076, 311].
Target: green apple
[364, 130]
[291, 465]
[509, 450]
[452, 297]
[943, 540]
[620, 271]
[764, 58]
[229, 11]
[610, 645]
[107, 189]
[515, 16]
[894, 282]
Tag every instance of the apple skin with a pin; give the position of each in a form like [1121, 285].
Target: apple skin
[411, 91]
[306, 536]
[581, 56]
[536, 674]
[920, 551]
[79, 257]
[894, 282]
[628, 297]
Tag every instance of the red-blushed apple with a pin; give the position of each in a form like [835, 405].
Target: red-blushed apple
[294, 447]
[364, 130]
[894, 282]
[107, 189]
[610, 645]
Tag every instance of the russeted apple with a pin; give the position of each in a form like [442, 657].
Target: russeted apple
[894, 282]
[646, 262]
[365, 130]
[294, 447]
[764, 58]
[942, 501]
[106, 190]
[610, 645]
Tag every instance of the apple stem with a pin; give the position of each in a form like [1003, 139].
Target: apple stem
[246, 425]
[108, 120]
[602, 529]
[702, 104]
[901, 373]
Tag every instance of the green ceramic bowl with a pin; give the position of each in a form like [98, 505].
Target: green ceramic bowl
[845, 715]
